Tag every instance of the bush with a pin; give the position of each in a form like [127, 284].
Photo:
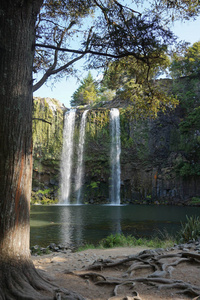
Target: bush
[120, 240]
[114, 241]
[195, 201]
[190, 230]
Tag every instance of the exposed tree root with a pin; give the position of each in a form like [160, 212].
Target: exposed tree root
[21, 281]
[159, 266]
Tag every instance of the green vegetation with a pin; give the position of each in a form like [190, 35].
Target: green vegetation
[43, 197]
[47, 146]
[120, 240]
[131, 82]
[185, 70]
[190, 230]
[195, 201]
[47, 129]
[86, 93]
[185, 61]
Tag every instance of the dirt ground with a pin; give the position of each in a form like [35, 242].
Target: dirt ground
[169, 274]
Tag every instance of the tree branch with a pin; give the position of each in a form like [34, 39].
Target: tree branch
[91, 52]
[52, 70]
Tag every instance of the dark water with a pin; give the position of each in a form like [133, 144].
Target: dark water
[76, 225]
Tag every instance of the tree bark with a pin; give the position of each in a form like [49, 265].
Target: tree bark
[17, 37]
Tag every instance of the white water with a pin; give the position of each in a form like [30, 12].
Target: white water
[115, 156]
[66, 157]
[80, 165]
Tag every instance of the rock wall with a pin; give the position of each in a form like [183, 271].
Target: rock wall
[47, 145]
[150, 154]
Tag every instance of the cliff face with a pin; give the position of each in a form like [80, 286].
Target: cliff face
[149, 159]
[152, 158]
[47, 145]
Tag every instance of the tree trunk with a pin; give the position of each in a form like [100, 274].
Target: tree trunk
[18, 277]
[17, 21]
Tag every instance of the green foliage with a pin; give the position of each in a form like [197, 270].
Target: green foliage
[116, 240]
[48, 201]
[189, 170]
[47, 137]
[190, 230]
[129, 80]
[94, 184]
[134, 137]
[132, 82]
[189, 144]
[97, 140]
[191, 123]
[120, 240]
[86, 93]
[195, 201]
[43, 197]
[186, 61]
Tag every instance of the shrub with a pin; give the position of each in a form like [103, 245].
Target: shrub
[190, 230]
[120, 240]
[195, 201]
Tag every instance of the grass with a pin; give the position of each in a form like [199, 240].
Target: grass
[120, 240]
[190, 230]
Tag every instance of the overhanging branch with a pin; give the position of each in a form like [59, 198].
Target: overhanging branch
[53, 72]
[88, 52]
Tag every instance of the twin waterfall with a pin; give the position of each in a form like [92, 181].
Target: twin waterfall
[68, 154]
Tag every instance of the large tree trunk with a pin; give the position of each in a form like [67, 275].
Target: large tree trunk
[18, 277]
[17, 21]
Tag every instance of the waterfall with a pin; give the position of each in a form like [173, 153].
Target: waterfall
[80, 166]
[115, 156]
[66, 157]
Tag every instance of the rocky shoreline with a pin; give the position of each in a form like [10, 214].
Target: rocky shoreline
[53, 248]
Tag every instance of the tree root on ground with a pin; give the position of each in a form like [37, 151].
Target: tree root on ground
[160, 265]
[21, 281]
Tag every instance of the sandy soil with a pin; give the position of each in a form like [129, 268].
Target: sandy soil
[64, 268]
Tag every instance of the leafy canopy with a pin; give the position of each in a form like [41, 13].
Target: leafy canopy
[69, 30]
[86, 93]
[186, 61]
[106, 31]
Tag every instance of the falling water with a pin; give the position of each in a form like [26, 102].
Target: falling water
[66, 158]
[80, 166]
[115, 156]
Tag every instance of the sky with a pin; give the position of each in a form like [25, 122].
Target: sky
[188, 31]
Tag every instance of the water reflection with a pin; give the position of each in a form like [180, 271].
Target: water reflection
[72, 225]
[77, 224]
[65, 232]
